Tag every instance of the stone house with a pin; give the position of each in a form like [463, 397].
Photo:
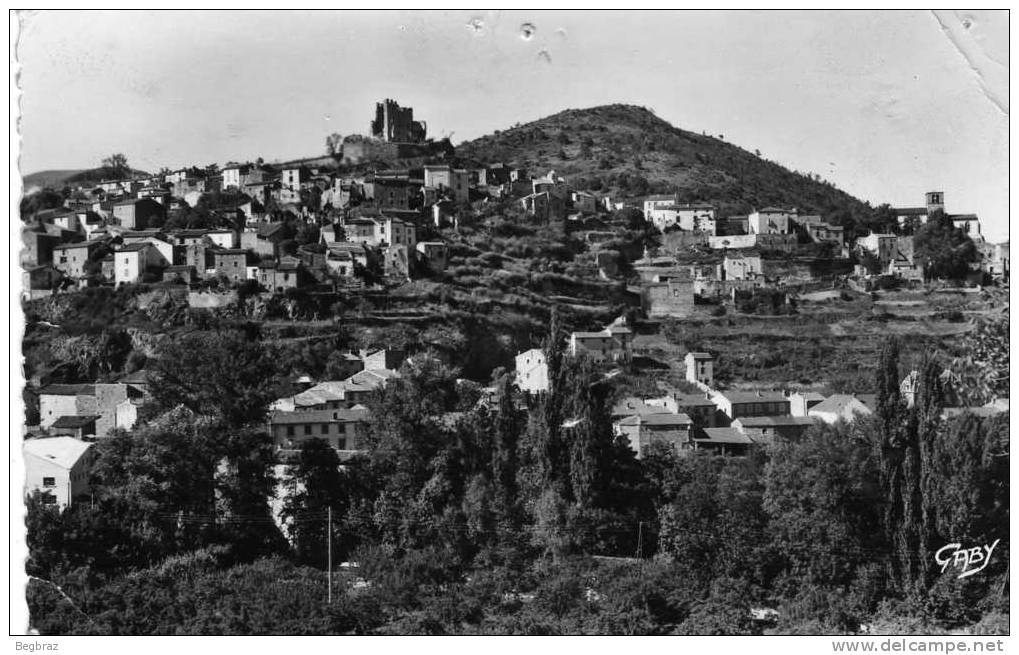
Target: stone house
[133, 261]
[78, 427]
[771, 220]
[736, 266]
[434, 255]
[231, 263]
[70, 258]
[268, 237]
[700, 368]
[699, 407]
[769, 429]
[738, 404]
[37, 246]
[611, 344]
[287, 273]
[340, 428]
[585, 202]
[644, 430]
[727, 442]
[673, 298]
[139, 213]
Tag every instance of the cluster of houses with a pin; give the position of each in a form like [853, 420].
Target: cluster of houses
[725, 422]
[115, 232]
[756, 253]
[57, 451]
[72, 417]
[333, 410]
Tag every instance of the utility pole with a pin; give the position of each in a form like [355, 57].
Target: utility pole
[329, 549]
[640, 540]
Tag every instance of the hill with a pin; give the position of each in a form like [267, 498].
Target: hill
[627, 151]
[53, 179]
[56, 179]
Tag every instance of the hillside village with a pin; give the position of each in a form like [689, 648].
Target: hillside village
[349, 223]
[622, 365]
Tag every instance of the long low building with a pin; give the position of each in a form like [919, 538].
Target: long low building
[340, 428]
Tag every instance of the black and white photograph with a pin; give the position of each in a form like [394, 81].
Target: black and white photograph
[510, 322]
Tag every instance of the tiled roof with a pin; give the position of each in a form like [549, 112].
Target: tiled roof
[836, 404]
[80, 244]
[134, 247]
[318, 416]
[692, 400]
[770, 421]
[634, 406]
[68, 390]
[664, 419]
[74, 421]
[740, 397]
[269, 229]
[724, 435]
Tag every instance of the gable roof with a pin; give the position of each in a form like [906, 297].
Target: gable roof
[62, 451]
[632, 406]
[74, 421]
[838, 404]
[773, 421]
[268, 229]
[318, 416]
[741, 397]
[135, 247]
[658, 420]
[80, 244]
[724, 435]
[692, 400]
[68, 390]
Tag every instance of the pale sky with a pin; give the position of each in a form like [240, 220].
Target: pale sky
[886, 105]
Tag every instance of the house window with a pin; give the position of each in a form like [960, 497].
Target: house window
[49, 482]
[325, 428]
[341, 443]
[307, 430]
[290, 430]
[49, 499]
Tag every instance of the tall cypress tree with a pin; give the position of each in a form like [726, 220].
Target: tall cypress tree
[552, 449]
[891, 414]
[505, 456]
[927, 409]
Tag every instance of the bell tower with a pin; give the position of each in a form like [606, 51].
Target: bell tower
[935, 201]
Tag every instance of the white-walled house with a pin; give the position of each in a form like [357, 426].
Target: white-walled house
[771, 220]
[532, 371]
[131, 262]
[58, 467]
